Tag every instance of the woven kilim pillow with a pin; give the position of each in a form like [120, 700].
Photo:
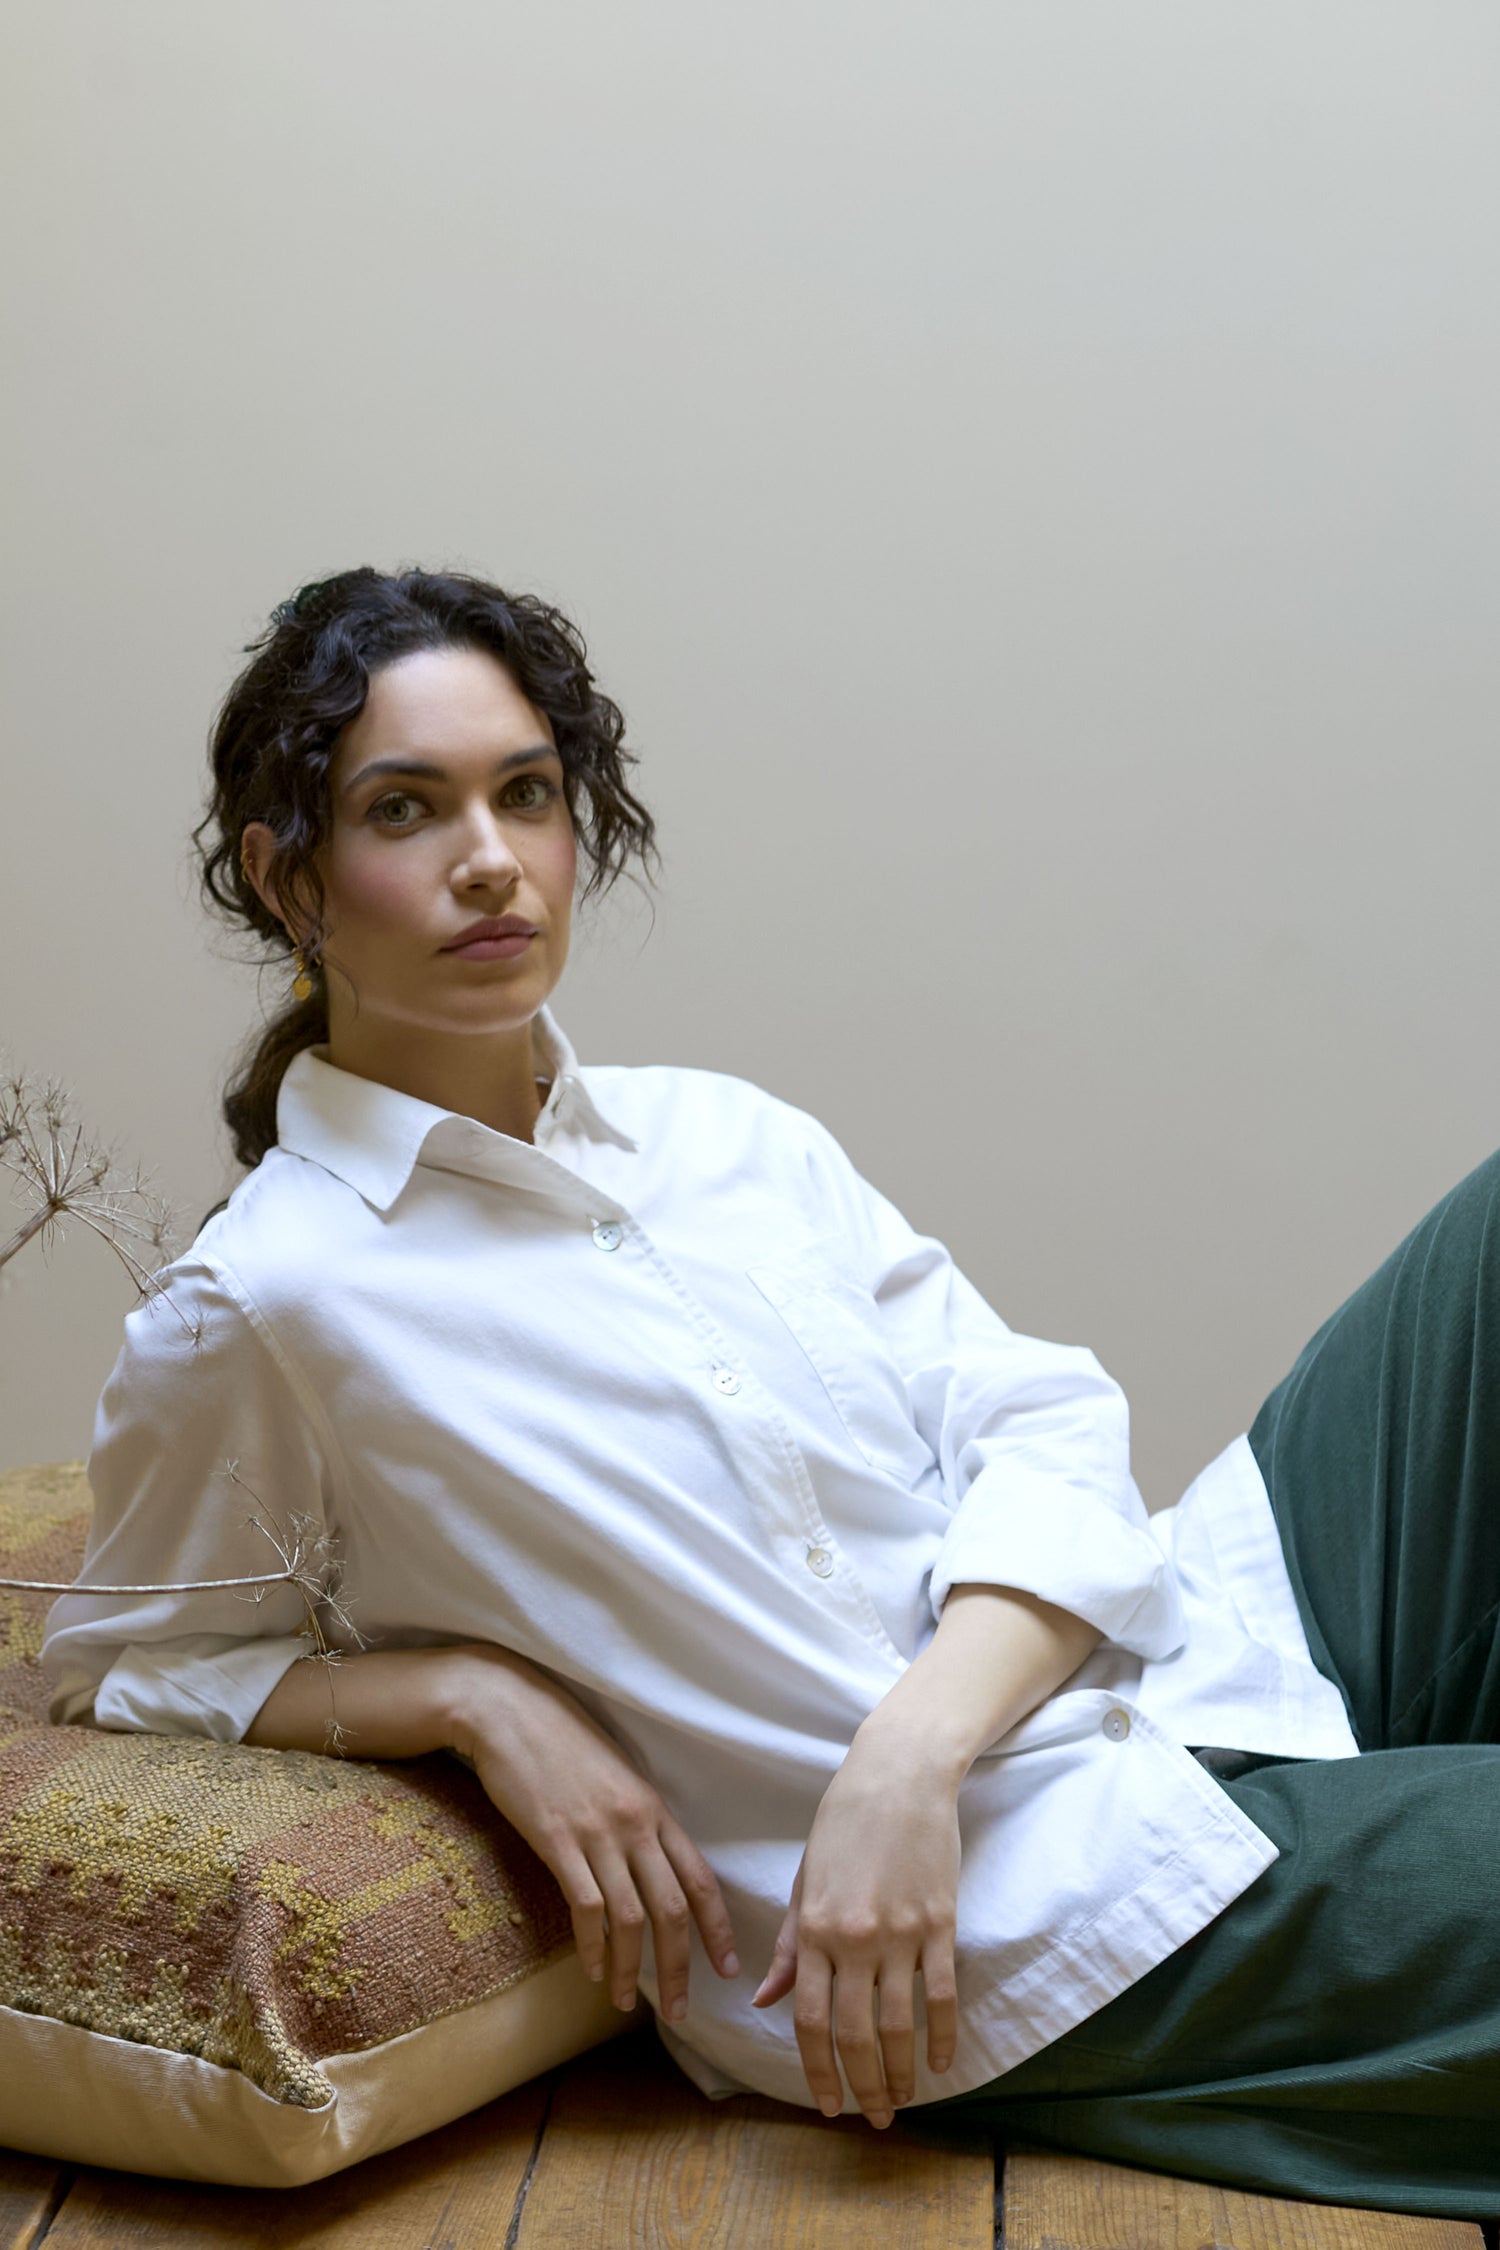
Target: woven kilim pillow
[255, 1966]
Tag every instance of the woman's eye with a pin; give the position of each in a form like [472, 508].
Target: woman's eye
[396, 797]
[537, 781]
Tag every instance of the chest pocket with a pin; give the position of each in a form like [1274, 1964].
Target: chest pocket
[834, 1318]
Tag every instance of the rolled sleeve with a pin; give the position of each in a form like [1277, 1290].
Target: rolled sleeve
[199, 1389]
[218, 1684]
[1032, 1438]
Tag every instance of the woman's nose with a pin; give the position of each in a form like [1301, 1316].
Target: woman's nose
[487, 850]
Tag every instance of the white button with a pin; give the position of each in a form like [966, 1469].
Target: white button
[608, 1235]
[726, 1380]
[819, 1561]
[1117, 1725]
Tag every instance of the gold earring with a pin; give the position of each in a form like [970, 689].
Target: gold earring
[302, 982]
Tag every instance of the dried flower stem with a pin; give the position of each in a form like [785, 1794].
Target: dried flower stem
[23, 1235]
[168, 1586]
[65, 1174]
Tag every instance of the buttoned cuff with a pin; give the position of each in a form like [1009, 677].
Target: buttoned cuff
[197, 1684]
[1065, 1547]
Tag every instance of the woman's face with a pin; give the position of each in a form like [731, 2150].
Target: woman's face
[447, 807]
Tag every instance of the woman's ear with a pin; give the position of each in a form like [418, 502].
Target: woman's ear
[257, 850]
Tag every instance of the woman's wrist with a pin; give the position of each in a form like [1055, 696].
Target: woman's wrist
[467, 1688]
[915, 1735]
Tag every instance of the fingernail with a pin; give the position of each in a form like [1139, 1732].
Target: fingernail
[676, 2010]
[597, 1973]
[731, 1964]
[627, 2003]
[881, 2119]
[829, 2104]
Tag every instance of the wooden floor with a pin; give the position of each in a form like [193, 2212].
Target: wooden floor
[617, 2152]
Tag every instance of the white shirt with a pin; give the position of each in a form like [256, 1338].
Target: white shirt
[675, 1403]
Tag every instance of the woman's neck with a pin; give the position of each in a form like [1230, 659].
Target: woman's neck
[496, 1079]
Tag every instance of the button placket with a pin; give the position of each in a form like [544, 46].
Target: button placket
[766, 1422]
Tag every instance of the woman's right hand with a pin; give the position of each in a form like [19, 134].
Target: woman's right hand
[619, 1856]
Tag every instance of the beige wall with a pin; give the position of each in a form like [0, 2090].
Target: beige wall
[1027, 470]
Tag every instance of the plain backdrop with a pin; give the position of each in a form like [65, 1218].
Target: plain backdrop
[1028, 471]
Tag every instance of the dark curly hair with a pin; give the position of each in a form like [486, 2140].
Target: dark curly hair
[277, 730]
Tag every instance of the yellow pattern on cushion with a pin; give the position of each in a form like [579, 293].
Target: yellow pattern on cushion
[258, 1908]
[44, 1521]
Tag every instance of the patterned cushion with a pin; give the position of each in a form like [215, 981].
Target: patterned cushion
[271, 1917]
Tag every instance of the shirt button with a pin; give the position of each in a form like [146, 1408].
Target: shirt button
[608, 1236]
[726, 1380]
[1116, 1725]
[819, 1561]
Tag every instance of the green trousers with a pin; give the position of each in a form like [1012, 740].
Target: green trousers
[1335, 2033]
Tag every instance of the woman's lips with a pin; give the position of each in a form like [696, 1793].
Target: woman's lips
[492, 948]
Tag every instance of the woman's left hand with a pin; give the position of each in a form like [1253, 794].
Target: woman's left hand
[875, 1900]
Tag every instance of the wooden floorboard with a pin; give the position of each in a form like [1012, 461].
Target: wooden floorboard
[1056, 2202]
[634, 2158]
[31, 2187]
[617, 2151]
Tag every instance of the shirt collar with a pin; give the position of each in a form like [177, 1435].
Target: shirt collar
[371, 1135]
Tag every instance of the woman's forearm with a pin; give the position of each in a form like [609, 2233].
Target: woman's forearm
[995, 1656]
[391, 1703]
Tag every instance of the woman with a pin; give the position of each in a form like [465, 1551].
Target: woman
[795, 1609]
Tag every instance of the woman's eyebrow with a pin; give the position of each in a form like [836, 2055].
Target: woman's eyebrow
[437, 773]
